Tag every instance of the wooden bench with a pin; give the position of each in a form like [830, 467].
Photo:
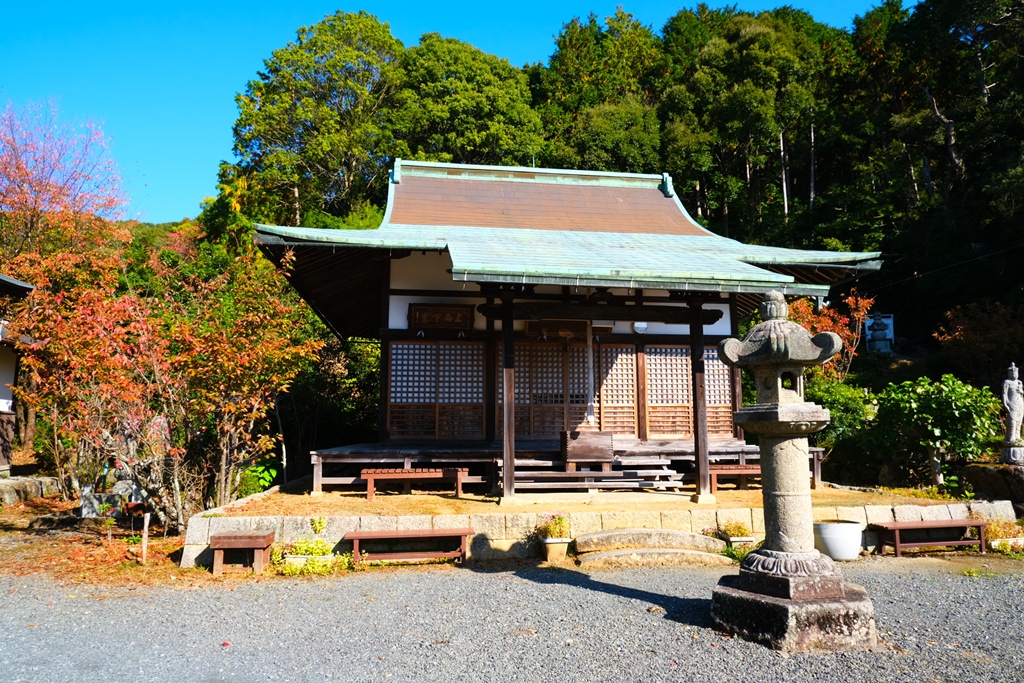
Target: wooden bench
[410, 475]
[453, 534]
[890, 533]
[717, 470]
[257, 541]
[749, 468]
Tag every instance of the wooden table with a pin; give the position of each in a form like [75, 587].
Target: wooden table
[890, 533]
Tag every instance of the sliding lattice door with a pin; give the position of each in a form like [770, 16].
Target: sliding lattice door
[436, 390]
[670, 396]
[552, 391]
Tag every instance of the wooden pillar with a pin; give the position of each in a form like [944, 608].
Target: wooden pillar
[642, 432]
[508, 483]
[490, 382]
[736, 373]
[700, 402]
[383, 428]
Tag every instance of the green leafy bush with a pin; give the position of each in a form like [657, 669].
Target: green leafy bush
[925, 432]
[308, 546]
[847, 405]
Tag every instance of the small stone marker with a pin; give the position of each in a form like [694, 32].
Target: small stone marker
[788, 595]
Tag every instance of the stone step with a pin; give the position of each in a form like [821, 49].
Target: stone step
[651, 557]
[617, 539]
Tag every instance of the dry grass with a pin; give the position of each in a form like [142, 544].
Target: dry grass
[355, 503]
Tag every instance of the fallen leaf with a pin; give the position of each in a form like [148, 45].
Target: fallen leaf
[524, 632]
[225, 644]
[31, 624]
[654, 608]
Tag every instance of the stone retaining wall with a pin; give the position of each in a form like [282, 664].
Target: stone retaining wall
[18, 489]
[504, 535]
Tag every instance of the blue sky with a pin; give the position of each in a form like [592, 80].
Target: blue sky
[161, 77]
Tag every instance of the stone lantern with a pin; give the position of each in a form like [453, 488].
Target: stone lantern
[788, 595]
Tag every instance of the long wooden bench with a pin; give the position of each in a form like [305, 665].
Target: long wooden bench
[458, 474]
[458, 555]
[743, 470]
[891, 533]
[716, 470]
[257, 541]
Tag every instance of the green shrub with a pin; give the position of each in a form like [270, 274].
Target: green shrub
[926, 432]
[847, 405]
[308, 546]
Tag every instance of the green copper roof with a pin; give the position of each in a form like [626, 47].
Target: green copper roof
[658, 247]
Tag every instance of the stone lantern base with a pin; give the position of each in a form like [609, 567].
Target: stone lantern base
[836, 624]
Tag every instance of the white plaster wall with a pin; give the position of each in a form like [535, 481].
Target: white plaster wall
[7, 367]
[430, 271]
[722, 327]
[427, 271]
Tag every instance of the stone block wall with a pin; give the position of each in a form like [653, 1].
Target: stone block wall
[509, 535]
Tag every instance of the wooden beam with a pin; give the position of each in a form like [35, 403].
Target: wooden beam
[508, 367]
[736, 373]
[700, 404]
[641, 393]
[675, 315]
[384, 416]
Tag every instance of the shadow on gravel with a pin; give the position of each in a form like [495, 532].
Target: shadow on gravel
[690, 611]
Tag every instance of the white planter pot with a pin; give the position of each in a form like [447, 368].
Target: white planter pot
[738, 540]
[555, 548]
[839, 540]
[1005, 544]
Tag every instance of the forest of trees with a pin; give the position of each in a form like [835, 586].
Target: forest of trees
[904, 134]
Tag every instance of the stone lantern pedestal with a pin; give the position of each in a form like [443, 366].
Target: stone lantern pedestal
[788, 595]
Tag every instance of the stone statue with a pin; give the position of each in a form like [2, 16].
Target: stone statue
[1013, 401]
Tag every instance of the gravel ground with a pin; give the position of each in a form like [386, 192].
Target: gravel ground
[515, 623]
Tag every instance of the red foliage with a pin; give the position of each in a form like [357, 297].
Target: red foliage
[849, 327]
[59, 188]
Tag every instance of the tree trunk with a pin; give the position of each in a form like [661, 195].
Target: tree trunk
[298, 216]
[926, 176]
[785, 182]
[24, 415]
[935, 455]
[284, 446]
[913, 176]
[950, 131]
[810, 204]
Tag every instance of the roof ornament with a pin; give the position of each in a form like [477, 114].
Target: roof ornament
[666, 185]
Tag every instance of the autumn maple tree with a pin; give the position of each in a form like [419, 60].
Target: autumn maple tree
[161, 359]
[849, 326]
[59, 186]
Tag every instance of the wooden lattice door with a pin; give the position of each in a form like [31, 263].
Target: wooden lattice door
[669, 396]
[618, 389]
[552, 391]
[718, 389]
[436, 390]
